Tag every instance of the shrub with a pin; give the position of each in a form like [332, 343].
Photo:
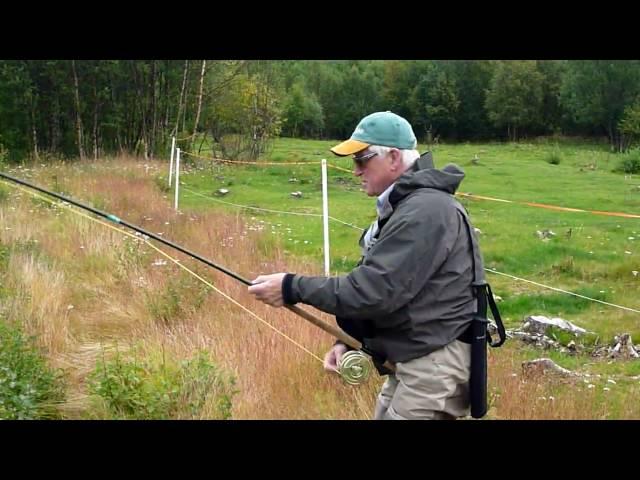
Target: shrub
[630, 163]
[130, 389]
[29, 389]
[554, 157]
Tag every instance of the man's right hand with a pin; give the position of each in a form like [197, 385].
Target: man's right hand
[333, 356]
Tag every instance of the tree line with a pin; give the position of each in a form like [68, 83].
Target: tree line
[91, 108]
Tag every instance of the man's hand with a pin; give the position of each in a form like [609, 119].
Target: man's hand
[333, 357]
[268, 289]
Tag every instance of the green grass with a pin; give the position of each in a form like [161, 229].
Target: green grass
[556, 304]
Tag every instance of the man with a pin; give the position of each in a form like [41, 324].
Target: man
[410, 300]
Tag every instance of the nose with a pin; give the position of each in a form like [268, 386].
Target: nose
[357, 170]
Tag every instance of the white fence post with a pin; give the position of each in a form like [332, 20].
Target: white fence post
[325, 216]
[173, 148]
[177, 176]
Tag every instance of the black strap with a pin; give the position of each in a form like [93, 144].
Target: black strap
[502, 334]
[482, 291]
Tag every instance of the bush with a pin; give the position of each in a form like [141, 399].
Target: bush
[29, 389]
[554, 157]
[128, 389]
[630, 163]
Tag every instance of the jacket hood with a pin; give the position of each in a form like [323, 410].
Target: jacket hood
[423, 174]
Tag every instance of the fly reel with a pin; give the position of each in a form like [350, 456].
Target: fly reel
[355, 367]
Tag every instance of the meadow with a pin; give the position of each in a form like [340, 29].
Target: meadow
[114, 329]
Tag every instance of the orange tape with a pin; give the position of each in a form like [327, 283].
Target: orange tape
[552, 207]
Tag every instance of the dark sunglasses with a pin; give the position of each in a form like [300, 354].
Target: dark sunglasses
[361, 160]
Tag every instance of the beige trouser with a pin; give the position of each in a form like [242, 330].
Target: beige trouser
[433, 387]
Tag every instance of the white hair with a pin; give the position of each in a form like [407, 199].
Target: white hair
[408, 156]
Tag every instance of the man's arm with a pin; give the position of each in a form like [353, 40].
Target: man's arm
[413, 245]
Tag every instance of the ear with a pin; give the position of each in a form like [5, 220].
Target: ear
[396, 160]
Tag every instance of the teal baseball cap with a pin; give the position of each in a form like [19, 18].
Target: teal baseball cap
[380, 128]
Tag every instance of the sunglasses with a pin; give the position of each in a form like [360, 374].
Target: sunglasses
[362, 159]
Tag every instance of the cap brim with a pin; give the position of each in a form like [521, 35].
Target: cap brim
[349, 147]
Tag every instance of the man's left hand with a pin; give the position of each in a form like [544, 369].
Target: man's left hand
[268, 289]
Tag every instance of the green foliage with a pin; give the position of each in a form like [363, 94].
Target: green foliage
[630, 162]
[596, 93]
[29, 389]
[514, 99]
[246, 115]
[434, 102]
[147, 389]
[302, 112]
[554, 157]
[136, 105]
[629, 124]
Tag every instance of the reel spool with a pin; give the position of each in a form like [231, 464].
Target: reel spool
[355, 367]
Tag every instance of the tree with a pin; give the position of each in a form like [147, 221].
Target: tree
[17, 93]
[553, 113]
[76, 96]
[629, 125]
[514, 98]
[596, 92]
[472, 78]
[246, 115]
[302, 112]
[434, 102]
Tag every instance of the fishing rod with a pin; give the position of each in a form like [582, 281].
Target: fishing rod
[354, 366]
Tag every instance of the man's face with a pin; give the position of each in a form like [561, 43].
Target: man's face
[376, 171]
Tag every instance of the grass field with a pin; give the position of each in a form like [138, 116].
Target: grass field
[105, 309]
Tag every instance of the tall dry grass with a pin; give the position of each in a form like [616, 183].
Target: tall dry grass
[88, 290]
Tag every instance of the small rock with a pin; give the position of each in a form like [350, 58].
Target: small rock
[542, 366]
[545, 234]
[540, 324]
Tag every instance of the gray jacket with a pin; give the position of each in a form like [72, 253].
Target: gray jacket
[413, 286]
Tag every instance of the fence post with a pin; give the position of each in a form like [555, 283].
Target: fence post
[325, 216]
[173, 148]
[177, 176]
